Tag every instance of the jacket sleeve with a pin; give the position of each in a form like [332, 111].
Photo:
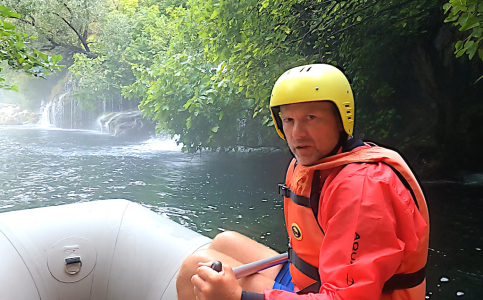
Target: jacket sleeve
[370, 223]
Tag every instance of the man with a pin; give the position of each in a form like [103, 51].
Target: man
[356, 217]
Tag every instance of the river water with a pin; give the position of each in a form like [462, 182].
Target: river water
[210, 193]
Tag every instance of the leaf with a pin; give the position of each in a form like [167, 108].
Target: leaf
[188, 103]
[56, 59]
[447, 7]
[469, 44]
[215, 129]
[460, 53]
[215, 13]
[264, 5]
[477, 32]
[463, 18]
[470, 23]
[458, 46]
[472, 50]
[7, 12]
[8, 26]
[451, 18]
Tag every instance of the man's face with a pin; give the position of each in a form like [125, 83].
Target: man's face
[312, 130]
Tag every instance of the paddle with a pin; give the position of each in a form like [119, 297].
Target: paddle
[253, 267]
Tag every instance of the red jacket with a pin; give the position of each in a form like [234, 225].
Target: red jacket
[370, 226]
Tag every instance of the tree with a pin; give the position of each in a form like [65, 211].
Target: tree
[128, 39]
[394, 52]
[261, 39]
[250, 43]
[203, 70]
[468, 16]
[64, 24]
[15, 51]
[192, 97]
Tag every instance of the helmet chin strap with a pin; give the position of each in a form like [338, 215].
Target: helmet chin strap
[340, 144]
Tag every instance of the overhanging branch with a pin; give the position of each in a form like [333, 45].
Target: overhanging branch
[83, 41]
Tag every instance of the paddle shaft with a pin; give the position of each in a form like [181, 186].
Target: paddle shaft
[257, 266]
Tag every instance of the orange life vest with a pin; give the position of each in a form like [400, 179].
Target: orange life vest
[301, 205]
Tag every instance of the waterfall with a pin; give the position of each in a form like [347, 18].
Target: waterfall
[60, 110]
[118, 117]
[45, 112]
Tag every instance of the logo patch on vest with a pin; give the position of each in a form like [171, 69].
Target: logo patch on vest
[297, 233]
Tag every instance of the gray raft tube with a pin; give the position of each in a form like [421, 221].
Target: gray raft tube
[100, 250]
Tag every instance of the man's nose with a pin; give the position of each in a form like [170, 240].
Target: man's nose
[299, 130]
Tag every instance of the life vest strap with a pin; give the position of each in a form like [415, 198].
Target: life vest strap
[396, 282]
[404, 281]
[303, 266]
[288, 193]
[313, 288]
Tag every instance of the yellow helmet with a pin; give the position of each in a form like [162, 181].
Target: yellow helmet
[317, 82]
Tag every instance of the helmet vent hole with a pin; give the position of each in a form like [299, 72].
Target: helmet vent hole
[302, 69]
[309, 69]
[349, 118]
[347, 105]
[316, 88]
[348, 111]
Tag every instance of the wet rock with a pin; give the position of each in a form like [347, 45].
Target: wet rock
[126, 124]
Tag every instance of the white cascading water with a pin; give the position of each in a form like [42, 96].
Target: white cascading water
[63, 111]
[45, 109]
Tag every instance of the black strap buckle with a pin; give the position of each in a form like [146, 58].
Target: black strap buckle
[283, 190]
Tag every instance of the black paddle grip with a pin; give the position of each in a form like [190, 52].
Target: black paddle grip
[217, 266]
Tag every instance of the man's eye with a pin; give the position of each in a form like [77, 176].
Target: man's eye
[285, 120]
[311, 117]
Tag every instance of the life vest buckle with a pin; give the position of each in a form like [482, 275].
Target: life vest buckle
[283, 190]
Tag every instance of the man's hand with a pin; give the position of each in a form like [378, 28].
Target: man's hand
[211, 285]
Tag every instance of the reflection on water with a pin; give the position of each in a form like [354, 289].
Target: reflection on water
[455, 263]
[210, 193]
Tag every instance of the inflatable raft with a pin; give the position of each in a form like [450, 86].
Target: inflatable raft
[111, 249]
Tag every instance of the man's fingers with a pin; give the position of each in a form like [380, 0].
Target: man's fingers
[206, 264]
[206, 273]
[209, 284]
[198, 283]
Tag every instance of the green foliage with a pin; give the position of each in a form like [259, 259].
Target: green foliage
[237, 49]
[15, 51]
[127, 40]
[191, 97]
[63, 24]
[258, 40]
[468, 16]
[204, 70]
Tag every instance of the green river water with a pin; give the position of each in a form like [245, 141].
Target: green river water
[211, 192]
